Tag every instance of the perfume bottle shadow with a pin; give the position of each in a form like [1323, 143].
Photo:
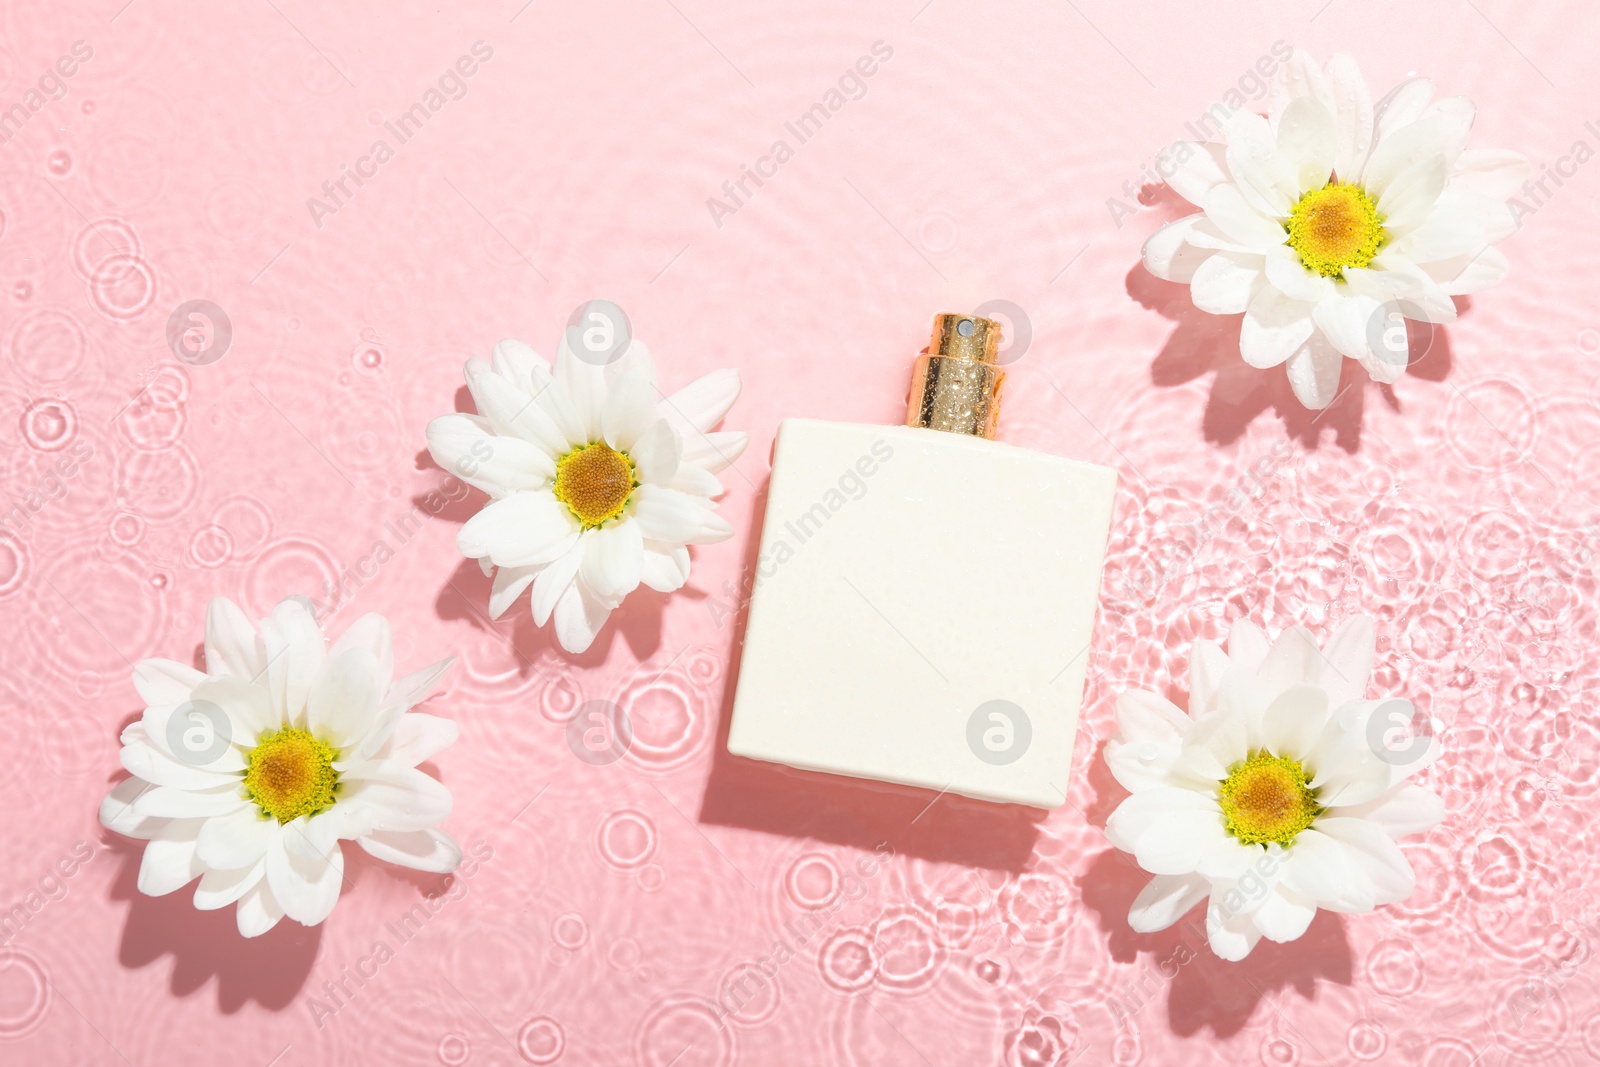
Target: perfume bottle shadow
[1202, 991]
[1202, 343]
[756, 795]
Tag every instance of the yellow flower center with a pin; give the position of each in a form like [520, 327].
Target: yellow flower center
[290, 774]
[1266, 798]
[595, 481]
[1335, 227]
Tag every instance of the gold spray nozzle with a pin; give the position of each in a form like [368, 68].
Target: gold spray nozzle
[955, 385]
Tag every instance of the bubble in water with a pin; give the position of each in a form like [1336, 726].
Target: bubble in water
[627, 839]
[60, 162]
[27, 994]
[454, 1050]
[541, 1040]
[570, 931]
[88, 107]
[49, 424]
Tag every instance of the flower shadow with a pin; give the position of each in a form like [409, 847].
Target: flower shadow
[1203, 991]
[269, 970]
[756, 795]
[1201, 344]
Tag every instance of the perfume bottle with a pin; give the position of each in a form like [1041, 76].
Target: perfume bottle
[924, 595]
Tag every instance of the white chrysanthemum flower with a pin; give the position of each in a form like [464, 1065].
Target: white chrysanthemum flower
[1275, 795]
[596, 483]
[1331, 213]
[248, 775]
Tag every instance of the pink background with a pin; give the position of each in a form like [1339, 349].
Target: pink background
[620, 902]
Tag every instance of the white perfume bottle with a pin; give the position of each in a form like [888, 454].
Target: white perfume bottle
[924, 595]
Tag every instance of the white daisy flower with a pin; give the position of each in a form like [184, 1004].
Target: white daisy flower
[596, 483]
[1275, 794]
[1331, 213]
[249, 774]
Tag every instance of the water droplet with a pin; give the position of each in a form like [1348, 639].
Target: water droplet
[22, 291]
[88, 107]
[49, 424]
[60, 162]
[541, 1040]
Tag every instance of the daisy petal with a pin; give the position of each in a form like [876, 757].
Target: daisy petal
[1403, 105]
[422, 850]
[612, 556]
[397, 797]
[1199, 167]
[498, 465]
[522, 529]
[372, 633]
[656, 453]
[668, 515]
[295, 649]
[1344, 319]
[1225, 283]
[1284, 915]
[509, 582]
[1231, 936]
[1405, 809]
[218, 889]
[307, 889]
[1322, 869]
[417, 737]
[517, 414]
[232, 646]
[1353, 114]
[343, 706]
[1314, 372]
[1293, 723]
[665, 567]
[169, 863]
[1274, 327]
[258, 910]
[1227, 209]
[553, 581]
[629, 409]
[1168, 255]
[1380, 858]
[165, 681]
[237, 840]
[584, 384]
[578, 618]
[701, 404]
[1165, 900]
[715, 451]
[519, 364]
[1308, 142]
